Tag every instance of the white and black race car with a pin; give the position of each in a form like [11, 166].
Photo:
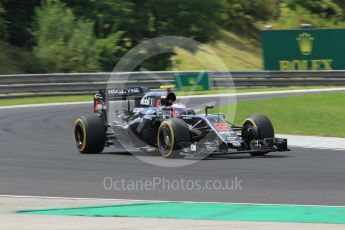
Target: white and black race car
[148, 123]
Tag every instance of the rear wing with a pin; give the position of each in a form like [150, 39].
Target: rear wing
[104, 96]
[131, 93]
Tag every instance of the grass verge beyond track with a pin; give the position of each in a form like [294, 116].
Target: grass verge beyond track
[209, 211]
[317, 115]
[77, 98]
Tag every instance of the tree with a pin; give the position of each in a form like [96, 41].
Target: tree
[18, 16]
[115, 26]
[110, 19]
[108, 15]
[110, 51]
[134, 21]
[64, 44]
[3, 32]
[324, 8]
[243, 15]
[197, 19]
[320, 14]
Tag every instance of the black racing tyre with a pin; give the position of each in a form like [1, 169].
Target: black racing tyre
[170, 134]
[257, 126]
[89, 134]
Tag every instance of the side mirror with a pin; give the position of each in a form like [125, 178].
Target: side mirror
[207, 108]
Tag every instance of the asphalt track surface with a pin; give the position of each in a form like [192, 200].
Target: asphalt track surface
[38, 158]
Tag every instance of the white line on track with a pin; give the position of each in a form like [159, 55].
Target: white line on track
[268, 92]
[163, 201]
[193, 96]
[313, 142]
[45, 105]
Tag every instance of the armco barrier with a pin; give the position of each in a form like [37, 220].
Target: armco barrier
[21, 85]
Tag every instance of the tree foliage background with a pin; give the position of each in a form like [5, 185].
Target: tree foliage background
[92, 35]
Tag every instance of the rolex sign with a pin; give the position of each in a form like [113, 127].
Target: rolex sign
[307, 49]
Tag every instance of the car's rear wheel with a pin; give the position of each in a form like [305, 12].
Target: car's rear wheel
[89, 134]
[171, 133]
[257, 126]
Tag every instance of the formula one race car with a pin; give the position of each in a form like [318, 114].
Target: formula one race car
[148, 123]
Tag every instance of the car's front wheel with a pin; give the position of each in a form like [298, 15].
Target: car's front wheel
[89, 134]
[171, 133]
[256, 126]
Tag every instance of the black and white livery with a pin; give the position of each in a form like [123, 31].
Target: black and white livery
[148, 123]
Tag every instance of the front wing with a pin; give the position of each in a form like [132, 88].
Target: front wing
[217, 147]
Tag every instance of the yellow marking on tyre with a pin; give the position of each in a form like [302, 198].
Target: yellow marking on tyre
[80, 121]
[250, 121]
[172, 138]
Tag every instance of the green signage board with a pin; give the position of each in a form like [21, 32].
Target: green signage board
[192, 81]
[304, 49]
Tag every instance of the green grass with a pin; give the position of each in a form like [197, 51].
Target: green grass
[321, 115]
[236, 52]
[52, 99]
[254, 89]
[40, 100]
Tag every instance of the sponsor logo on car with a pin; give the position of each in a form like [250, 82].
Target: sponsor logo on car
[133, 90]
[116, 91]
[146, 101]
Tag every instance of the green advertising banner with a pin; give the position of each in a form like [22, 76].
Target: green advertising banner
[304, 49]
[192, 81]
